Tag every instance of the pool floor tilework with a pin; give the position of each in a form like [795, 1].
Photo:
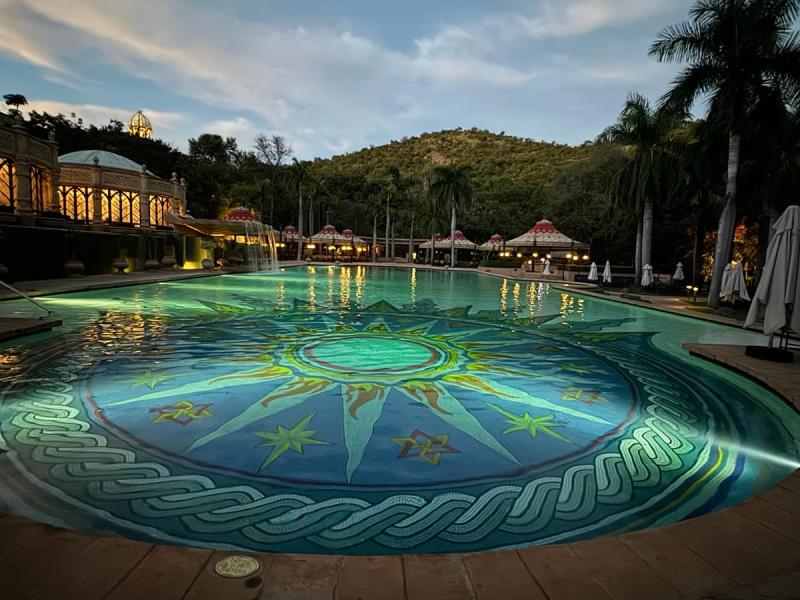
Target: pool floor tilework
[244, 417]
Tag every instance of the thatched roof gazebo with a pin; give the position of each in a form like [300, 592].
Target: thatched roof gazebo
[545, 235]
[493, 244]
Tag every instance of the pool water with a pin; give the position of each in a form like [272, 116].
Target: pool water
[371, 411]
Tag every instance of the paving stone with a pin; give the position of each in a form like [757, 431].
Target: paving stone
[440, 576]
[301, 577]
[622, 573]
[562, 575]
[745, 554]
[93, 571]
[32, 552]
[675, 562]
[166, 573]
[370, 578]
[209, 585]
[503, 575]
[773, 517]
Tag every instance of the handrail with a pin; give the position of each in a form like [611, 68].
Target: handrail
[28, 298]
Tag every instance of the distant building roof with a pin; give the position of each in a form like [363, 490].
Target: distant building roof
[105, 159]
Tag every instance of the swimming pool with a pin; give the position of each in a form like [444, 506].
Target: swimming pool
[371, 411]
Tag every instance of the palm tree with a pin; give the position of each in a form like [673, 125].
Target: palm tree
[451, 188]
[432, 217]
[738, 51]
[390, 191]
[298, 175]
[646, 132]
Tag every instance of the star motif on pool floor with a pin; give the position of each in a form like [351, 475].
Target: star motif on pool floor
[579, 369]
[430, 448]
[183, 412]
[532, 425]
[150, 379]
[282, 440]
[585, 396]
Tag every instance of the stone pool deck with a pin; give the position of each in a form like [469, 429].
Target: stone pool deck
[748, 551]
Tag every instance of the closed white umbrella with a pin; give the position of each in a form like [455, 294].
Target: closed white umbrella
[678, 275]
[607, 272]
[647, 275]
[593, 272]
[778, 292]
[739, 285]
[546, 267]
[726, 289]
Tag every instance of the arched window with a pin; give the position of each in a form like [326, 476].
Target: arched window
[120, 207]
[159, 205]
[76, 203]
[6, 182]
[40, 188]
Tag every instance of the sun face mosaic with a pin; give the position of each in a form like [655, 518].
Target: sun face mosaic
[374, 428]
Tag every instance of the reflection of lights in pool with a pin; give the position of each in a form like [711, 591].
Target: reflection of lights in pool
[250, 415]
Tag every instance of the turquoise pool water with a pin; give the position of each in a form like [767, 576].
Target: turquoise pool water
[359, 410]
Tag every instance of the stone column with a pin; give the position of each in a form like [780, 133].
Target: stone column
[173, 201]
[97, 193]
[22, 168]
[144, 199]
[183, 197]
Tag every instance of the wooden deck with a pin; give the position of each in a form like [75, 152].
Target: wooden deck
[12, 327]
[749, 551]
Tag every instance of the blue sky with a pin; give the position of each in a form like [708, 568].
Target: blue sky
[336, 76]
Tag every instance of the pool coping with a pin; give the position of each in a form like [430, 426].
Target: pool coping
[752, 546]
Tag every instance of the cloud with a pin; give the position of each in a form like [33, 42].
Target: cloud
[326, 89]
[553, 18]
[101, 115]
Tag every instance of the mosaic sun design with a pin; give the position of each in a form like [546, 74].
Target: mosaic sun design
[372, 430]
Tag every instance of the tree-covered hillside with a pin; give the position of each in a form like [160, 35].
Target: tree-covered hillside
[492, 157]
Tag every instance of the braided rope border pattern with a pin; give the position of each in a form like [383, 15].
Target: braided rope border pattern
[48, 424]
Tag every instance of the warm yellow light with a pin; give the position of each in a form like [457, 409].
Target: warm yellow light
[414, 255]
[695, 289]
[519, 254]
[585, 257]
[535, 255]
[310, 246]
[569, 255]
[548, 256]
[331, 247]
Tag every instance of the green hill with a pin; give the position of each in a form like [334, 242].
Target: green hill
[493, 157]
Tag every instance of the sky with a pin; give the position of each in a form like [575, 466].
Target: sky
[333, 77]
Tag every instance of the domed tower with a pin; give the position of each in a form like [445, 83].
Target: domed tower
[139, 125]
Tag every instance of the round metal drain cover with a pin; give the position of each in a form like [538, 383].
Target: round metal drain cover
[237, 566]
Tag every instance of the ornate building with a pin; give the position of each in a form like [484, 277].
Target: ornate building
[139, 125]
[28, 170]
[104, 188]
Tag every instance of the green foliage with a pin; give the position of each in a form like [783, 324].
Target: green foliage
[490, 156]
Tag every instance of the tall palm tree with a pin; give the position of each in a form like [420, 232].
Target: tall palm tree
[299, 175]
[646, 133]
[737, 51]
[451, 187]
[432, 217]
[390, 191]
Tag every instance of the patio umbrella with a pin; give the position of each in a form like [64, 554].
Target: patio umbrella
[778, 291]
[738, 284]
[726, 289]
[546, 267]
[678, 275]
[647, 275]
[592, 272]
[607, 272]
